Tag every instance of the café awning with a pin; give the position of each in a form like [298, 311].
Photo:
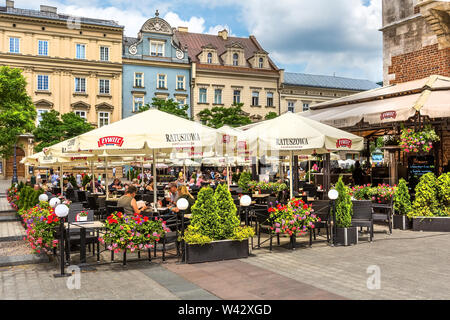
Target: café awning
[396, 103]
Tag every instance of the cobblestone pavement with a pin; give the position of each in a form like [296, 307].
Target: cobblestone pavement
[11, 229]
[413, 265]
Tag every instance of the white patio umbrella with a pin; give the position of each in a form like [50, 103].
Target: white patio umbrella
[291, 134]
[148, 132]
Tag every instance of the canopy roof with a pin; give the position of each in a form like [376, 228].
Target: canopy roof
[429, 96]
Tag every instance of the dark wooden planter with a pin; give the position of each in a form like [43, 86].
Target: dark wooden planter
[216, 251]
[346, 236]
[402, 222]
[434, 224]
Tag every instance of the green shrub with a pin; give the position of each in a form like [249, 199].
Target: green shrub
[426, 202]
[244, 180]
[402, 201]
[443, 193]
[205, 214]
[227, 211]
[235, 177]
[28, 198]
[344, 205]
[86, 180]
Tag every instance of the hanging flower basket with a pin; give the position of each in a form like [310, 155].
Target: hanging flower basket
[420, 141]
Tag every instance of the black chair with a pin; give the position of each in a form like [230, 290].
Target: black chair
[322, 211]
[56, 190]
[311, 190]
[70, 194]
[362, 215]
[73, 235]
[384, 213]
[110, 203]
[81, 197]
[264, 225]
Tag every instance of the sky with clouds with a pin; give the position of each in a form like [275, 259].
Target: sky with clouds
[329, 37]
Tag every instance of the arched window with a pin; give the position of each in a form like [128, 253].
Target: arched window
[235, 59]
[261, 62]
[209, 57]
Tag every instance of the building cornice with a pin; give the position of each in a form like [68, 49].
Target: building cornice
[149, 63]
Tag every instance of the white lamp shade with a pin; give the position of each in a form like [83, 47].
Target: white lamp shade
[54, 202]
[43, 197]
[333, 194]
[245, 201]
[182, 204]
[62, 210]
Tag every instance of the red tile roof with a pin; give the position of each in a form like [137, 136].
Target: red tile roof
[195, 42]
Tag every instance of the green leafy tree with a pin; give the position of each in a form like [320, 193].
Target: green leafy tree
[28, 198]
[271, 115]
[205, 214]
[54, 128]
[244, 180]
[402, 201]
[17, 112]
[443, 193]
[217, 117]
[227, 211]
[169, 106]
[426, 202]
[344, 205]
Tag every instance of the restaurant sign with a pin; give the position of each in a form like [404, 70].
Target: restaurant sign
[290, 142]
[110, 141]
[344, 143]
[182, 137]
[388, 115]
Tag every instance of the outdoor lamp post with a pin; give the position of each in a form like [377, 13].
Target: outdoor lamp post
[54, 202]
[245, 201]
[61, 211]
[43, 198]
[14, 177]
[333, 195]
[182, 205]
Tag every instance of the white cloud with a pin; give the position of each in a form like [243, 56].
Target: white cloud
[194, 24]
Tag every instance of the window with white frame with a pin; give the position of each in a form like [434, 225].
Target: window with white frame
[104, 53]
[261, 62]
[236, 96]
[235, 59]
[270, 99]
[81, 113]
[42, 82]
[14, 45]
[157, 48]
[255, 98]
[43, 47]
[180, 83]
[162, 80]
[291, 106]
[305, 106]
[81, 51]
[40, 112]
[103, 119]
[138, 79]
[202, 92]
[209, 58]
[217, 96]
[104, 86]
[138, 101]
[80, 85]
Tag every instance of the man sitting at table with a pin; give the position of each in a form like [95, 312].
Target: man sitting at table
[173, 193]
[128, 202]
[116, 185]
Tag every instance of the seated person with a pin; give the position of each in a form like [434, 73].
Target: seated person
[128, 202]
[149, 186]
[173, 189]
[116, 185]
[67, 184]
[184, 193]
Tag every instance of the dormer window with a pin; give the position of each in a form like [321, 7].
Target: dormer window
[235, 59]
[209, 60]
[261, 63]
[157, 49]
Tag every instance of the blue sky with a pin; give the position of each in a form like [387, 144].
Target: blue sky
[321, 36]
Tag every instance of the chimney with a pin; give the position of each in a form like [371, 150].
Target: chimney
[48, 9]
[223, 34]
[9, 4]
[183, 29]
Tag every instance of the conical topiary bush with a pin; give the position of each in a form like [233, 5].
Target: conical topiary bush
[344, 205]
[227, 212]
[402, 201]
[205, 214]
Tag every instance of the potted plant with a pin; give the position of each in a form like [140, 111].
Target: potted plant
[345, 234]
[420, 141]
[214, 233]
[82, 216]
[402, 205]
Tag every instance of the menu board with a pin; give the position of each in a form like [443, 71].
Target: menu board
[417, 167]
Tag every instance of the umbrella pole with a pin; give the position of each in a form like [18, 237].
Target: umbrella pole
[106, 178]
[309, 171]
[291, 185]
[61, 180]
[155, 189]
[142, 171]
[92, 177]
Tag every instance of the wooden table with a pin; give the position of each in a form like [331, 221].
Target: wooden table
[260, 196]
[82, 226]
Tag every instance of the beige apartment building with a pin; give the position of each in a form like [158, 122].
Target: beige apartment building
[227, 70]
[72, 64]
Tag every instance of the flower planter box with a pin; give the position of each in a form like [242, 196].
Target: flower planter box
[402, 222]
[346, 236]
[216, 251]
[434, 224]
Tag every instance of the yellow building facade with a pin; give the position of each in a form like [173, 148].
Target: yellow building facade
[71, 64]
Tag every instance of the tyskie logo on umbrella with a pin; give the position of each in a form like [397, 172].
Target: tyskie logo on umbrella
[344, 143]
[110, 141]
[388, 115]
